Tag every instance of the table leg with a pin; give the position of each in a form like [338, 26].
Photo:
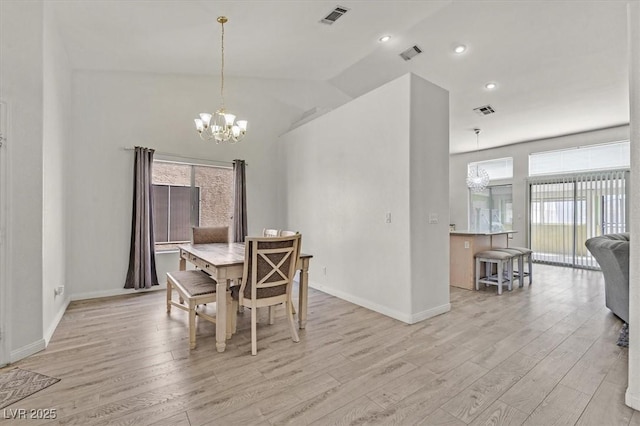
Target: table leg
[230, 313]
[221, 315]
[182, 266]
[303, 294]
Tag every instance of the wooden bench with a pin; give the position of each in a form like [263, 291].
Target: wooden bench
[194, 287]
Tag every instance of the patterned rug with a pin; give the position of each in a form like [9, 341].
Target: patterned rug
[18, 384]
[623, 338]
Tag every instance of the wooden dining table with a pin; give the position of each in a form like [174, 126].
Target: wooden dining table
[225, 263]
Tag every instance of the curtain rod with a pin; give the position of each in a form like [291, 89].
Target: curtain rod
[170, 154]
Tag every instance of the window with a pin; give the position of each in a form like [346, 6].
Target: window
[187, 195]
[615, 155]
[499, 168]
[492, 209]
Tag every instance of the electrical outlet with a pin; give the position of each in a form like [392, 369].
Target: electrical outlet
[388, 217]
[466, 244]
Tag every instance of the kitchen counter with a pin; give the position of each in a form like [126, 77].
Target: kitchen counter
[463, 246]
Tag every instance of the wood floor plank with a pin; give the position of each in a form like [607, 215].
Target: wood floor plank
[367, 378]
[360, 411]
[180, 419]
[533, 388]
[403, 386]
[473, 400]
[420, 404]
[441, 418]
[587, 374]
[606, 407]
[500, 414]
[500, 351]
[563, 406]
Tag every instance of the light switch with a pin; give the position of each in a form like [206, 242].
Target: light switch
[466, 244]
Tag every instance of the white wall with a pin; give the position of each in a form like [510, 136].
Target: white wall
[21, 34]
[113, 110]
[429, 198]
[632, 396]
[55, 116]
[459, 194]
[345, 172]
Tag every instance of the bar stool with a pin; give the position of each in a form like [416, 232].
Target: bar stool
[519, 257]
[528, 254]
[503, 261]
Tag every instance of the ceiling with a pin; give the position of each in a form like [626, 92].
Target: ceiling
[560, 66]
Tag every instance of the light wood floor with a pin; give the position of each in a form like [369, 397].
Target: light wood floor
[539, 355]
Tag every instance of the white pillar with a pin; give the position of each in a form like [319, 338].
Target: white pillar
[632, 397]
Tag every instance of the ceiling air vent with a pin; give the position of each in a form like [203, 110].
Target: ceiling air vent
[484, 110]
[334, 15]
[410, 53]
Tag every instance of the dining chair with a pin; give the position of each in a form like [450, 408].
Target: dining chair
[270, 232]
[206, 235]
[269, 268]
[280, 233]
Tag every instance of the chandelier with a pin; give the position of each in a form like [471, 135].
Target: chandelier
[477, 178]
[221, 126]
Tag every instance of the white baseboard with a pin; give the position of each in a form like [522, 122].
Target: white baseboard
[430, 313]
[27, 350]
[400, 316]
[54, 324]
[115, 292]
[632, 400]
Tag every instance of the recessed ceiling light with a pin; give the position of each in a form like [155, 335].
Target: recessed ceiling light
[460, 48]
[384, 39]
[491, 86]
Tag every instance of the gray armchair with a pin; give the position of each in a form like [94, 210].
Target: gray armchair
[612, 253]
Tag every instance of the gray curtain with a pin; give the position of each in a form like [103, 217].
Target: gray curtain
[239, 201]
[142, 260]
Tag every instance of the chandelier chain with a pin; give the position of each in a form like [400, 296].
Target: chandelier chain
[222, 67]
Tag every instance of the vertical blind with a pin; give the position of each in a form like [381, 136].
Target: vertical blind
[567, 210]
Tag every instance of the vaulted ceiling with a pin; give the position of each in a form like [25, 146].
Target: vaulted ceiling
[560, 67]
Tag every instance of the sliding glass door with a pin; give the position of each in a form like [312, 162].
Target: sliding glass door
[565, 211]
